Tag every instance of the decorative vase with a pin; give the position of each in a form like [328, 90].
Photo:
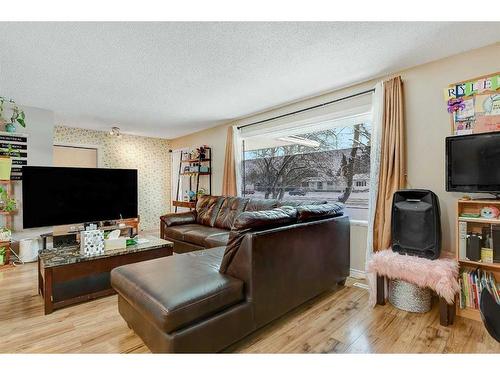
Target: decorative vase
[5, 167]
[10, 128]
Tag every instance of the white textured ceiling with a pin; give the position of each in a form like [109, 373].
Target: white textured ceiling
[170, 79]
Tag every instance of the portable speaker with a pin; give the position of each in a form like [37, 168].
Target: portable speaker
[474, 247]
[416, 223]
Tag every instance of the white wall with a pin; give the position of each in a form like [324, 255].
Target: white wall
[427, 124]
[40, 130]
[358, 247]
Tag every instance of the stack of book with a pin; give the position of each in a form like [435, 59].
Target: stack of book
[472, 283]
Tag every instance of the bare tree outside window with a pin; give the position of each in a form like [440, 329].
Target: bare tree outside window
[329, 165]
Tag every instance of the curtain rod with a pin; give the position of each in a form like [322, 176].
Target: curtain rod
[307, 109]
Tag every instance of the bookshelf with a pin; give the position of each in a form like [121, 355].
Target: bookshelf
[474, 225]
[190, 168]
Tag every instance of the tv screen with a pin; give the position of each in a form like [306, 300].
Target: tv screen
[473, 163]
[61, 196]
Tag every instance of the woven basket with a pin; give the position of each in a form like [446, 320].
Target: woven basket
[409, 297]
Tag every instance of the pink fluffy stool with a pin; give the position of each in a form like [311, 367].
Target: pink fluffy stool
[440, 275]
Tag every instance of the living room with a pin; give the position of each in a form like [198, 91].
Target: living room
[250, 187]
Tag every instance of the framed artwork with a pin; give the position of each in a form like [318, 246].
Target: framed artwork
[474, 105]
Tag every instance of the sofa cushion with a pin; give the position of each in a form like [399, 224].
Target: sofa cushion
[217, 240]
[198, 235]
[261, 204]
[322, 211]
[180, 218]
[177, 232]
[207, 209]
[230, 208]
[173, 292]
[265, 219]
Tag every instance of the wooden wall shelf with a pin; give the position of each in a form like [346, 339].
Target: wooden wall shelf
[487, 266]
[8, 221]
[193, 178]
[479, 220]
[195, 160]
[195, 173]
[8, 212]
[184, 204]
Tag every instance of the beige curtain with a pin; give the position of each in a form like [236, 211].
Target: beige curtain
[392, 176]
[229, 186]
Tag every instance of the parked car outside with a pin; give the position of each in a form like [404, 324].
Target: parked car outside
[297, 192]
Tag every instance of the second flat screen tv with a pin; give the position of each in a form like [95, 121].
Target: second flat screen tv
[473, 163]
[61, 196]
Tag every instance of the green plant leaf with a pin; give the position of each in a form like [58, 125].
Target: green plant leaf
[21, 122]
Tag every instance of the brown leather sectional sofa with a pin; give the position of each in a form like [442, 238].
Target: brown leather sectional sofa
[209, 226]
[274, 257]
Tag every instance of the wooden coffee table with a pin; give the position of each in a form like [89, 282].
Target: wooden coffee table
[65, 277]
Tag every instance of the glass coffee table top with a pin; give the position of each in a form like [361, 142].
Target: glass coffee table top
[71, 254]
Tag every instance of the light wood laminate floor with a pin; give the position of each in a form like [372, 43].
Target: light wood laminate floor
[336, 322]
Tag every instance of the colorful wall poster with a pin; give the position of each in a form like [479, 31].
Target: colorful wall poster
[474, 105]
[473, 87]
[486, 124]
[467, 111]
[492, 105]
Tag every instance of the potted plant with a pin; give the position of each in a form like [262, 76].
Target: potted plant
[3, 255]
[3, 121]
[7, 203]
[5, 234]
[6, 161]
[18, 116]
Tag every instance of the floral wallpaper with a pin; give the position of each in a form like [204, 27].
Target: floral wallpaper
[149, 156]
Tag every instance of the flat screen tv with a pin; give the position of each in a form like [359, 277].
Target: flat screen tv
[61, 196]
[473, 163]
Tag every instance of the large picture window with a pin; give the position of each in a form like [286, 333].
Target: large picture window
[329, 161]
